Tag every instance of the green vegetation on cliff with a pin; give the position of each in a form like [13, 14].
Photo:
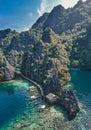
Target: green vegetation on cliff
[6, 70]
[73, 25]
[58, 40]
[46, 62]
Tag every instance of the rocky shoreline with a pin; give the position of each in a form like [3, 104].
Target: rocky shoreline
[57, 41]
[66, 99]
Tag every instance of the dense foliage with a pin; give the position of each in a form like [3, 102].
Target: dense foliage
[63, 35]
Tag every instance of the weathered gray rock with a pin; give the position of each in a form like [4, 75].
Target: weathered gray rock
[46, 63]
[42, 70]
[6, 70]
[69, 102]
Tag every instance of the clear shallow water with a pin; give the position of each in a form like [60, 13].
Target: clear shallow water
[19, 112]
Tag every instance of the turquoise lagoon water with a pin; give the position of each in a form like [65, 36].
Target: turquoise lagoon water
[19, 112]
[16, 104]
[81, 82]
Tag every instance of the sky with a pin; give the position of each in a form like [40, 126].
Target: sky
[21, 14]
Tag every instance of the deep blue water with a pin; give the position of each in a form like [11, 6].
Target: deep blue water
[81, 80]
[16, 105]
[12, 100]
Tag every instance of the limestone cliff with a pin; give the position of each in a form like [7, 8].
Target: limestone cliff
[6, 70]
[46, 63]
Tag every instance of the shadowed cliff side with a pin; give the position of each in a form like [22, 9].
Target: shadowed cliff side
[46, 63]
[6, 70]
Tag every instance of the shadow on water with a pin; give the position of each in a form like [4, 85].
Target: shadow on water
[8, 88]
[12, 101]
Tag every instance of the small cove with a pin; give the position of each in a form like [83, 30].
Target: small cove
[18, 112]
[12, 100]
[15, 102]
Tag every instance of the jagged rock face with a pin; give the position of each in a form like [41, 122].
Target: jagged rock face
[61, 20]
[74, 26]
[40, 21]
[4, 33]
[80, 56]
[46, 64]
[56, 15]
[42, 70]
[69, 102]
[15, 58]
[6, 70]
[47, 72]
[68, 23]
[6, 39]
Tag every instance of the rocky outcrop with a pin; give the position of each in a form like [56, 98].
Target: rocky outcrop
[42, 70]
[69, 102]
[46, 63]
[53, 39]
[62, 20]
[40, 21]
[48, 73]
[74, 27]
[6, 70]
[15, 58]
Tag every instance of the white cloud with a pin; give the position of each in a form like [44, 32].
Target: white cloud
[47, 5]
[69, 3]
[43, 7]
[25, 28]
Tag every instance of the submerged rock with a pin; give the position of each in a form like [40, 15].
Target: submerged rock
[6, 70]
